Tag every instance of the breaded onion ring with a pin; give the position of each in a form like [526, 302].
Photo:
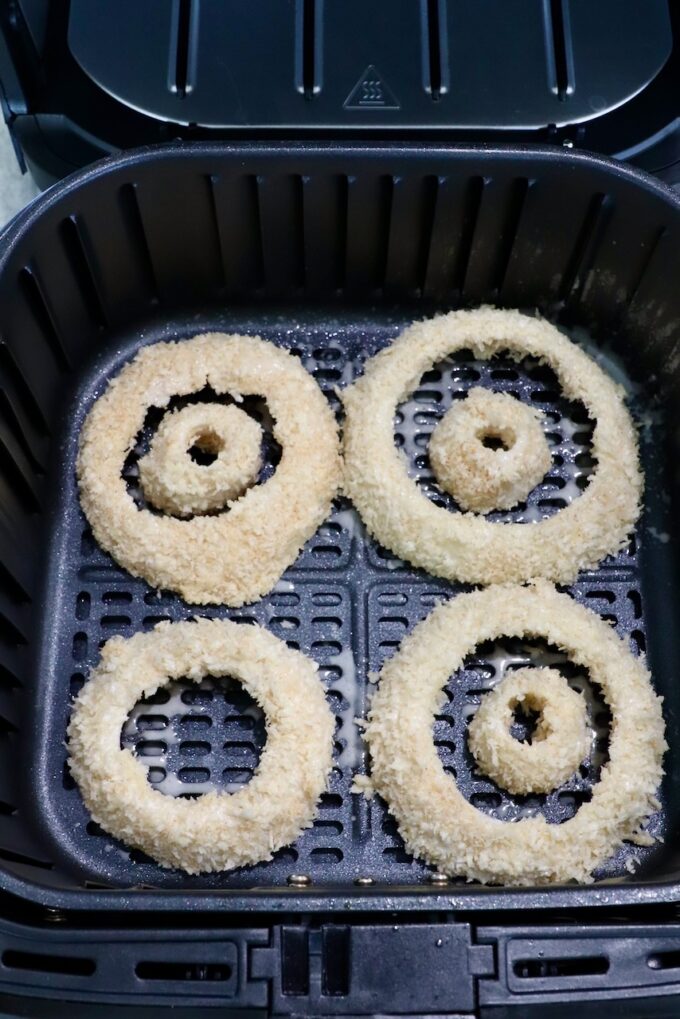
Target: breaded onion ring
[219, 830]
[238, 556]
[466, 547]
[481, 478]
[559, 744]
[435, 820]
[173, 482]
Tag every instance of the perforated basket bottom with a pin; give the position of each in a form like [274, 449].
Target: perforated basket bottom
[347, 603]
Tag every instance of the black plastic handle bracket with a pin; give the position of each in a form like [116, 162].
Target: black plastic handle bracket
[543, 966]
[418, 969]
[415, 969]
[327, 970]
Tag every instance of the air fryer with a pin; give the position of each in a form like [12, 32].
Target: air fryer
[327, 246]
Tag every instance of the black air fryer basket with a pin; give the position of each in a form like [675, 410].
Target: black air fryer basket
[326, 251]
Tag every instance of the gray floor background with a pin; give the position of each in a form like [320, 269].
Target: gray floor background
[15, 189]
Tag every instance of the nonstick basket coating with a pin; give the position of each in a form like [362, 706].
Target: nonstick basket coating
[327, 252]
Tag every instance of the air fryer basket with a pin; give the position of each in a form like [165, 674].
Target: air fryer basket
[326, 251]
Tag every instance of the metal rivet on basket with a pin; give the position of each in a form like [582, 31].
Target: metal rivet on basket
[438, 879]
[299, 880]
[54, 915]
[363, 880]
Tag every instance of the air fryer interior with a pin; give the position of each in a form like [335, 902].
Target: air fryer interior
[327, 252]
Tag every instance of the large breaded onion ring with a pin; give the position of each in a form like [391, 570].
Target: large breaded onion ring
[435, 820]
[559, 744]
[219, 830]
[173, 482]
[480, 478]
[239, 555]
[463, 546]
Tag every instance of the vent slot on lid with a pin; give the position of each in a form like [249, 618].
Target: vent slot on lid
[182, 31]
[307, 58]
[435, 55]
[559, 48]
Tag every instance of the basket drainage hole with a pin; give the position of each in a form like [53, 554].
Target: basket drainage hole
[207, 736]
[206, 448]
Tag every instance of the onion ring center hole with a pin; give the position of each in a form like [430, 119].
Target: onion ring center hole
[206, 448]
[194, 738]
[527, 719]
[497, 440]
[568, 428]
[255, 406]
[481, 671]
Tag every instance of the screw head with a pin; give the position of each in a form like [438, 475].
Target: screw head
[363, 881]
[567, 143]
[299, 880]
[439, 879]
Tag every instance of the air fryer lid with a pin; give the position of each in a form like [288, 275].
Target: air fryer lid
[494, 64]
[80, 80]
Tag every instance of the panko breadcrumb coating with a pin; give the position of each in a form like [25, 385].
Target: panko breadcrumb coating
[237, 556]
[560, 742]
[435, 820]
[219, 830]
[173, 482]
[465, 547]
[479, 478]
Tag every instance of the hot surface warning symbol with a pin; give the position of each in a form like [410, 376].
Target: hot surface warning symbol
[371, 92]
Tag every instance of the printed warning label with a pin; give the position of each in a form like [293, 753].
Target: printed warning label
[371, 92]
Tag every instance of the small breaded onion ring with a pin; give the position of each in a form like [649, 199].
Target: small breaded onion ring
[173, 482]
[435, 820]
[239, 555]
[479, 478]
[219, 830]
[559, 744]
[463, 546]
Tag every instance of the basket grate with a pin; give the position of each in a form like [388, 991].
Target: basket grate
[347, 603]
